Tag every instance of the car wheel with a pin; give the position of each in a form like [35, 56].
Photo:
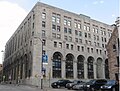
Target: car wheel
[58, 86]
[113, 89]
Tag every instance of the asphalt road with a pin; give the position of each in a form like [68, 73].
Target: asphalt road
[27, 88]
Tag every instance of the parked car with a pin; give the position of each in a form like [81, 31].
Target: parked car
[60, 83]
[79, 86]
[70, 85]
[111, 85]
[95, 84]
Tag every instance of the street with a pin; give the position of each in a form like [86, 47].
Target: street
[27, 88]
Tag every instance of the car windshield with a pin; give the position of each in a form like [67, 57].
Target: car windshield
[111, 82]
[91, 82]
[75, 81]
[60, 80]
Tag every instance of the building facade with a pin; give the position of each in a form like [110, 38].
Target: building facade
[114, 52]
[1, 70]
[73, 46]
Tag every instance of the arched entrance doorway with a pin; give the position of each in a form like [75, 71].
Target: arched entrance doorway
[90, 61]
[80, 66]
[69, 65]
[99, 68]
[56, 65]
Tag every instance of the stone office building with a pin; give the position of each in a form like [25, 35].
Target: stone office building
[74, 44]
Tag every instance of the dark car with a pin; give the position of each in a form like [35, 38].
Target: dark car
[94, 85]
[60, 83]
[79, 86]
[70, 85]
[111, 85]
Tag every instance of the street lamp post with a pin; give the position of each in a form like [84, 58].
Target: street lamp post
[41, 63]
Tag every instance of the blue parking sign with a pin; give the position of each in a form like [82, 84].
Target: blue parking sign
[45, 59]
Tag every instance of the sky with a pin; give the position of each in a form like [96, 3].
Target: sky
[12, 13]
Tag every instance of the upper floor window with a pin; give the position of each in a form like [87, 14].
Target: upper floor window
[88, 28]
[70, 38]
[80, 33]
[60, 45]
[65, 22]
[53, 27]
[58, 28]
[43, 24]
[79, 26]
[67, 46]
[55, 44]
[76, 32]
[53, 19]
[85, 27]
[54, 35]
[65, 37]
[69, 31]
[75, 24]
[44, 42]
[58, 20]
[65, 30]
[43, 15]
[43, 33]
[69, 23]
[86, 35]
[71, 47]
[58, 36]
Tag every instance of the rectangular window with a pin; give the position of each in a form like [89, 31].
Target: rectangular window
[75, 24]
[88, 28]
[43, 15]
[58, 28]
[43, 24]
[80, 33]
[79, 26]
[85, 35]
[71, 47]
[97, 38]
[44, 42]
[43, 33]
[82, 48]
[80, 40]
[70, 38]
[53, 19]
[76, 32]
[55, 44]
[69, 23]
[78, 48]
[65, 30]
[100, 51]
[85, 27]
[53, 27]
[58, 36]
[65, 22]
[96, 30]
[60, 45]
[67, 46]
[86, 41]
[89, 35]
[89, 42]
[54, 35]
[65, 37]
[92, 50]
[88, 49]
[33, 25]
[76, 40]
[97, 51]
[69, 31]
[58, 20]
[94, 37]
